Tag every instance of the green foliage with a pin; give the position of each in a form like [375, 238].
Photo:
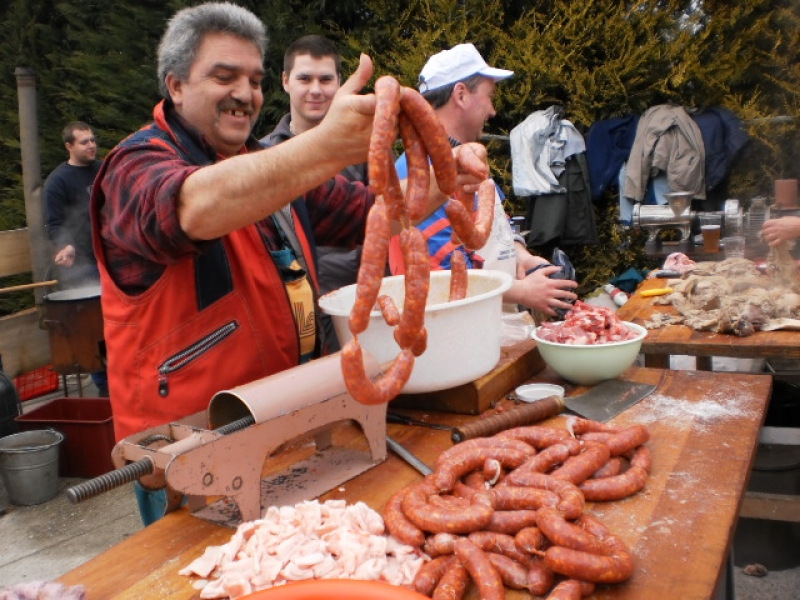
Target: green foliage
[95, 61]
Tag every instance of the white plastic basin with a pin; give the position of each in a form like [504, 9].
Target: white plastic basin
[463, 336]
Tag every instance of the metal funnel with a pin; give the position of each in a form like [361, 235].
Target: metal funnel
[679, 201]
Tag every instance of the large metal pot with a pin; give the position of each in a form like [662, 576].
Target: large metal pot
[74, 321]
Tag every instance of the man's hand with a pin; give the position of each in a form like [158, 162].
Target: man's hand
[66, 256]
[779, 231]
[526, 260]
[472, 162]
[348, 124]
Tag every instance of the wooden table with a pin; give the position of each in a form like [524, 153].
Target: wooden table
[704, 428]
[660, 344]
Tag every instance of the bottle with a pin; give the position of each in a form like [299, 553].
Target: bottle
[617, 295]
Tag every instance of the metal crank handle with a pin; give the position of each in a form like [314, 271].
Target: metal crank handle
[109, 481]
[524, 415]
[135, 470]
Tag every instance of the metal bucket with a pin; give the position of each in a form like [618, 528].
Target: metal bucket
[29, 465]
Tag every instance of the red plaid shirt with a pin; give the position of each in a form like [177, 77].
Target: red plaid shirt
[139, 225]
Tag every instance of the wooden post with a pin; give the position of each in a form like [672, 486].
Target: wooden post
[31, 175]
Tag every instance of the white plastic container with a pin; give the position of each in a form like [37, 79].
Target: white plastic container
[536, 391]
[463, 336]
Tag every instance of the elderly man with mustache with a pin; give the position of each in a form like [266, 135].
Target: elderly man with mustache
[204, 240]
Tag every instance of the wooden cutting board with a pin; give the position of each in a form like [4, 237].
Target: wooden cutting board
[517, 364]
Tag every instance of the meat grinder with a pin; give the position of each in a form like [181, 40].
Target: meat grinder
[677, 215]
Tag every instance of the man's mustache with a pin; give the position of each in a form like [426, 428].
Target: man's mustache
[232, 105]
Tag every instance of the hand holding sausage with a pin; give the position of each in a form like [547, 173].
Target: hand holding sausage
[347, 126]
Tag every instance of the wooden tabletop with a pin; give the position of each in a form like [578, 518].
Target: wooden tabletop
[681, 339]
[704, 429]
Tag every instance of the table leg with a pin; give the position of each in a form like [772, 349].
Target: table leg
[656, 361]
[703, 363]
[725, 587]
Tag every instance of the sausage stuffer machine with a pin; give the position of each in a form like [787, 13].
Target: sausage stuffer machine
[222, 452]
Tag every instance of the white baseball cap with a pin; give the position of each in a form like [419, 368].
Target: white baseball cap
[458, 63]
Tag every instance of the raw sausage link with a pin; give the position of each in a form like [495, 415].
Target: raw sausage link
[419, 174]
[470, 159]
[522, 498]
[492, 471]
[578, 469]
[417, 284]
[510, 522]
[623, 485]
[612, 467]
[373, 266]
[430, 573]
[389, 311]
[537, 436]
[530, 540]
[490, 541]
[483, 573]
[577, 426]
[453, 584]
[562, 533]
[466, 448]
[388, 384]
[384, 131]
[438, 519]
[475, 480]
[394, 198]
[438, 544]
[459, 278]
[571, 500]
[541, 463]
[627, 439]
[569, 589]
[513, 574]
[397, 523]
[540, 577]
[450, 471]
[463, 224]
[615, 566]
[473, 229]
[421, 343]
[436, 140]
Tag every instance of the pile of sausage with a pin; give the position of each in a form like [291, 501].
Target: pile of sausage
[402, 110]
[508, 511]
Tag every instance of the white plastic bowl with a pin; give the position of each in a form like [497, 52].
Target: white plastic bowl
[591, 364]
[463, 336]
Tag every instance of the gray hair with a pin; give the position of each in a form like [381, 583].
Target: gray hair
[186, 29]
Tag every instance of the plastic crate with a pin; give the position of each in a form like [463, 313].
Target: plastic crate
[36, 383]
[88, 429]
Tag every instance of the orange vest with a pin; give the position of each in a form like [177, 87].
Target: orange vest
[173, 347]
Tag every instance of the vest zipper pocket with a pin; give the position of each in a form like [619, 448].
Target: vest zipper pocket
[187, 355]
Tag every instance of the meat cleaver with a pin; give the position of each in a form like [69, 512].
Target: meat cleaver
[602, 403]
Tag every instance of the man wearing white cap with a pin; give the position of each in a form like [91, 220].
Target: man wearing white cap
[460, 86]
